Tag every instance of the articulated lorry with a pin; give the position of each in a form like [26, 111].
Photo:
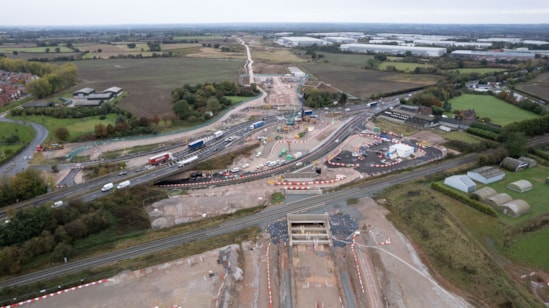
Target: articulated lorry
[160, 158]
[197, 144]
[257, 124]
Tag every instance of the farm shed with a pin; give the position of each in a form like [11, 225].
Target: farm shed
[100, 96]
[82, 93]
[486, 174]
[513, 164]
[461, 182]
[516, 208]
[116, 91]
[483, 193]
[87, 103]
[520, 186]
[531, 162]
[498, 200]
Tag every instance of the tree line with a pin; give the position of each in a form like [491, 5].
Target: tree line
[315, 98]
[203, 101]
[36, 231]
[22, 186]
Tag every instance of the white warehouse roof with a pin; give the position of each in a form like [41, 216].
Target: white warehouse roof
[392, 49]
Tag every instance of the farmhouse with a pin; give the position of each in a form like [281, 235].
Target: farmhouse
[461, 182]
[515, 208]
[520, 186]
[82, 93]
[513, 164]
[486, 174]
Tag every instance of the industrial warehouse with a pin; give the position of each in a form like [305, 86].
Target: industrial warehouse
[394, 50]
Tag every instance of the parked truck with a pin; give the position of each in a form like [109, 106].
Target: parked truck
[197, 144]
[372, 104]
[257, 124]
[307, 113]
[160, 158]
[218, 134]
[186, 161]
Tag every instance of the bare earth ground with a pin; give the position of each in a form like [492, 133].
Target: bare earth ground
[404, 280]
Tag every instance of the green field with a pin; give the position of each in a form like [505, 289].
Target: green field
[403, 66]
[537, 197]
[461, 136]
[76, 127]
[498, 111]
[345, 59]
[479, 70]
[34, 49]
[25, 134]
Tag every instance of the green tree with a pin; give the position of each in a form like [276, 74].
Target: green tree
[61, 252]
[27, 184]
[39, 88]
[62, 133]
[516, 144]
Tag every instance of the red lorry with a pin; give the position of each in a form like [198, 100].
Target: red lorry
[160, 158]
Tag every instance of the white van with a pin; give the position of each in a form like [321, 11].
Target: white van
[107, 187]
[123, 184]
[57, 204]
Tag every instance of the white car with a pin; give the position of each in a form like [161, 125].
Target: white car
[107, 187]
[246, 165]
[235, 170]
[259, 166]
[258, 154]
[299, 164]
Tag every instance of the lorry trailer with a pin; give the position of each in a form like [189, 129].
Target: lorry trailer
[160, 158]
[186, 161]
[218, 134]
[257, 124]
[197, 144]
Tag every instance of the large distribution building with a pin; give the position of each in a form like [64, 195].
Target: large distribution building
[394, 49]
[294, 41]
[492, 55]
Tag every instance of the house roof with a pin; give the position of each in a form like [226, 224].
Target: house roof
[113, 90]
[88, 103]
[85, 91]
[100, 96]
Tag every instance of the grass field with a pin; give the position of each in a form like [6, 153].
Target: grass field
[76, 127]
[537, 197]
[460, 243]
[345, 59]
[461, 136]
[25, 134]
[34, 49]
[479, 70]
[497, 110]
[149, 82]
[403, 66]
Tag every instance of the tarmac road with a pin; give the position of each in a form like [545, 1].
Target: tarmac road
[21, 161]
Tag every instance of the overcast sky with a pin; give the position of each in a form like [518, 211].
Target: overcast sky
[124, 12]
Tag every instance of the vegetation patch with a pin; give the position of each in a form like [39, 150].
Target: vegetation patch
[487, 106]
[451, 250]
[14, 138]
[277, 198]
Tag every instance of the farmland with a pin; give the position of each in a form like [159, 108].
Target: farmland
[275, 56]
[365, 83]
[403, 66]
[480, 70]
[10, 49]
[497, 110]
[538, 87]
[149, 82]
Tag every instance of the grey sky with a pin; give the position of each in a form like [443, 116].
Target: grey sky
[116, 12]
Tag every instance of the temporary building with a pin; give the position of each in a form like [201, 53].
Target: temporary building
[498, 200]
[461, 182]
[520, 186]
[513, 164]
[483, 193]
[402, 150]
[486, 174]
[531, 162]
[515, 208]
